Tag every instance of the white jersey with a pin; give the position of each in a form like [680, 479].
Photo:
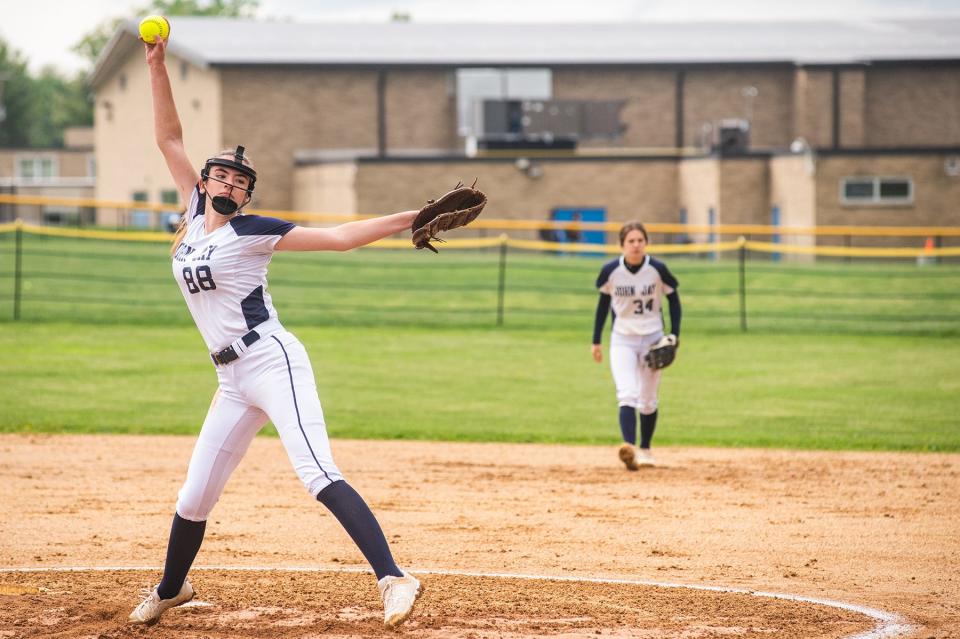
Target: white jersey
[223, 274]
[636, 294]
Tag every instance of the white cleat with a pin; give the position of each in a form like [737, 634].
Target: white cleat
[644, 457]
[628, 455]
[399, 595]
[150, 609]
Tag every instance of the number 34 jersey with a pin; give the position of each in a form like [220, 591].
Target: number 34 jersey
[636, 293]
[223, 274]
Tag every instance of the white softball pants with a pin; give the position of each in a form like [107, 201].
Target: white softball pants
[637, 385]
[272, 381]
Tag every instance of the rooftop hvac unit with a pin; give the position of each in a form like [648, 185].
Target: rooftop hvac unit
[733, 137]
[546, 123]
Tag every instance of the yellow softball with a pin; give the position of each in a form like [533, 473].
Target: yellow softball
[153, 27]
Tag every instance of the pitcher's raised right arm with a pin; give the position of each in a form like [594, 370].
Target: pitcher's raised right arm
[167, 128]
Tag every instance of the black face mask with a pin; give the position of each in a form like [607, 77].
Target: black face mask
[224, 205]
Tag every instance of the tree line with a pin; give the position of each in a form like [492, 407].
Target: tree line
[36, 108]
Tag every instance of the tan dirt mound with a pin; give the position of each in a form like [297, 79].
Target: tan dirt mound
[872, 529]
[277, 604]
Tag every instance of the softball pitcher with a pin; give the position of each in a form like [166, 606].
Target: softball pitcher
[632, 286]
[220, 259]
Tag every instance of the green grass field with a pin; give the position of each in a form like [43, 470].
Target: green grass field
[405, 345]
[828, 392]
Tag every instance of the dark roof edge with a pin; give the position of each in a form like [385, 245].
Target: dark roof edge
[892, 62]
[781, 64]
[889, 150]
[127, 36]
[539, 155]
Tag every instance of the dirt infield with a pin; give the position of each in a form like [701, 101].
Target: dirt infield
[877, 530]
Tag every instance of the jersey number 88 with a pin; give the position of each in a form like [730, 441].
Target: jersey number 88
[202, 282]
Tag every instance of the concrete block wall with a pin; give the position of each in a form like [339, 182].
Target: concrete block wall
[649, 112]
[326, 188]
[711, 95]
[644, 190]
[421, 111]
[744, 191]
[792, 191]
[813, 106]
[912, 106]
[852, 108]
[276, 112]
[699, 191]
[935, 194]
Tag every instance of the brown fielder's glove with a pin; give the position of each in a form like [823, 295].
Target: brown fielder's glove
[662, 353]
[457, 208]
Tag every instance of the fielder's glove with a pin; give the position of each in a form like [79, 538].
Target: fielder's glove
[662, 353]
[457, 208]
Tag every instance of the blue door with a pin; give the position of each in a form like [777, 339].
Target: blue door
[581, 215]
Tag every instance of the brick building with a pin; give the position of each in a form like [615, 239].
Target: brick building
[809, 123]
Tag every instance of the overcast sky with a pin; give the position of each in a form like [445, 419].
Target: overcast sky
[44, 30]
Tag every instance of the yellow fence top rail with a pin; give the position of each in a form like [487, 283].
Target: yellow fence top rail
[500, 224]
[537, 245]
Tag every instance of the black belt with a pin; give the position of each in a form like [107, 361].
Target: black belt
[229, 354]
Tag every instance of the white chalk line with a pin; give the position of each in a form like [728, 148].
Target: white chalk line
[888, 624]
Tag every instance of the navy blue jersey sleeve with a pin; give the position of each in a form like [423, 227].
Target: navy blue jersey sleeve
[605, 272]
[257, 225]
[665, 274]
[603, 308]
[673, 300]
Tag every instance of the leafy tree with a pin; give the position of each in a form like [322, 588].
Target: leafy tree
[92, 43]
[58, 103]
[36, 109]
[16, 98]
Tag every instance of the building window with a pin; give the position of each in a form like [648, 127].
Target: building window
[91, 165]
[37, 167]
[476, 85]
[876, 190]
[26, 169]
[140, 218]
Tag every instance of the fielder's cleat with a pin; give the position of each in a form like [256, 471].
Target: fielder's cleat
[628, 455]
[399, 595]
[150, 609]
[644, 457]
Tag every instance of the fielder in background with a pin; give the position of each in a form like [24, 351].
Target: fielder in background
[633, 286]
[220, 259]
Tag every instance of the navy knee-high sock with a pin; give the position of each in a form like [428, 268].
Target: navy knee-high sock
[628, 424]
[355, 517]
[648, 423]
[185, 539]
